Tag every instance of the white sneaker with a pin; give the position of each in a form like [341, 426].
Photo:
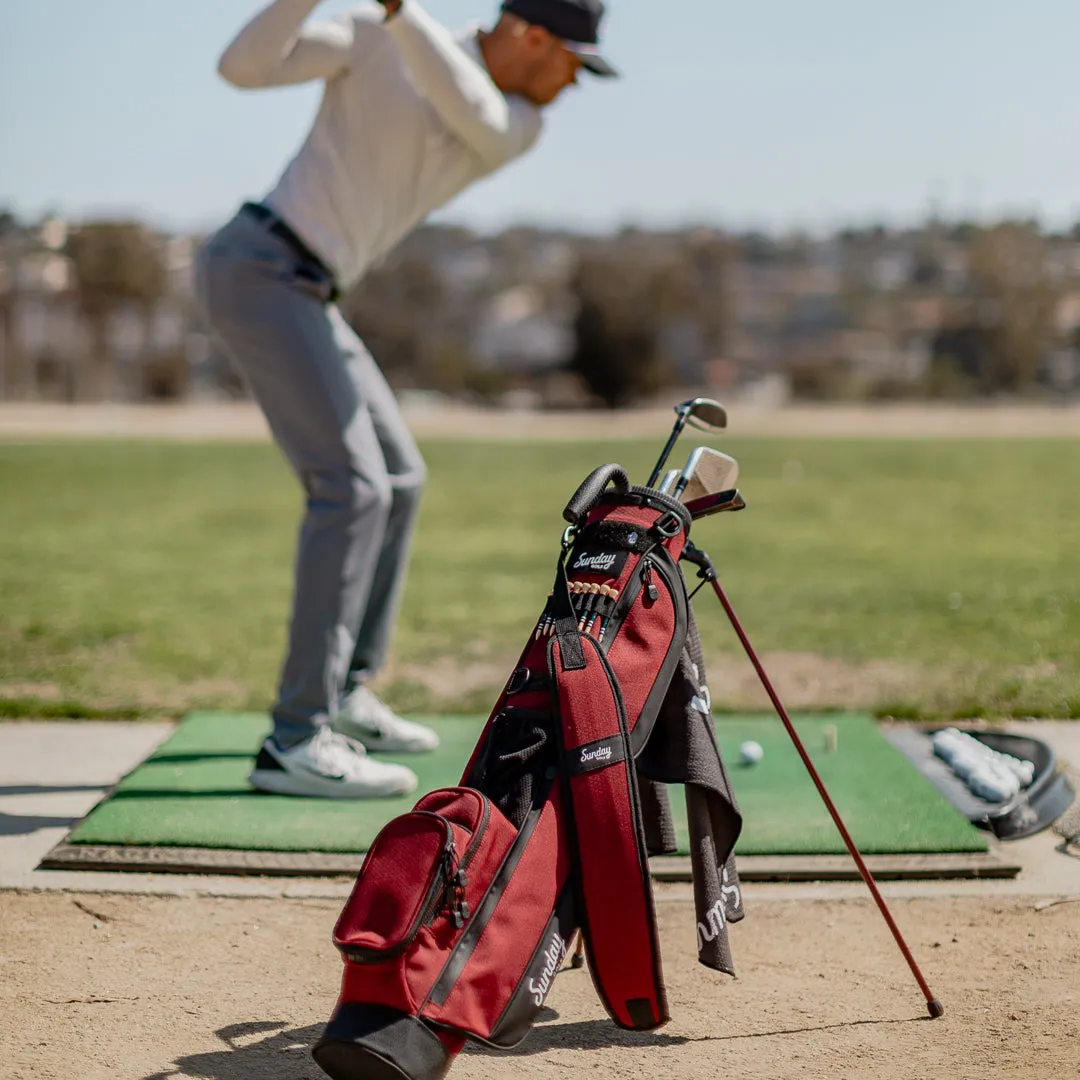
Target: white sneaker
[368, 720]
[328, 766]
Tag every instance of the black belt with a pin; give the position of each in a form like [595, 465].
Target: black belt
[280, 229]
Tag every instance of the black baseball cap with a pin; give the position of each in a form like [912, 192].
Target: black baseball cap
[575, 22]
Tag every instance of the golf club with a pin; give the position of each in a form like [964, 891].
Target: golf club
[670, 477]
[713, 471]
[716, 503]
[702, 413]
[721, 471]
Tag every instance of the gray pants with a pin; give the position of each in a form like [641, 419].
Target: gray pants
[336, 420]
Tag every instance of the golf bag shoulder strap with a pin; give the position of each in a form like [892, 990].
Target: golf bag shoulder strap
[607, 838]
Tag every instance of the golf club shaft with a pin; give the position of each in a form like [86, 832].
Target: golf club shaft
[712, 416]
[934, 1006]
[676, 431]
[668, 481]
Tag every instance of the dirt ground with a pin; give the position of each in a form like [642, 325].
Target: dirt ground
[147, 988]
[242, 421]
[805, 681]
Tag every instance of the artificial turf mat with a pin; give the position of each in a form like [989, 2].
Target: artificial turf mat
[192, 792]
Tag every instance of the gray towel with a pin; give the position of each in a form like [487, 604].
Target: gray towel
[682, 750]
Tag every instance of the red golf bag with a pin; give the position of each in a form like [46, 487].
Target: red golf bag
[464, 908]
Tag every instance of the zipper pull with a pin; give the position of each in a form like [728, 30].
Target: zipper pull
[456, 880]
[651, 591]
[449, 872]
[461, 905]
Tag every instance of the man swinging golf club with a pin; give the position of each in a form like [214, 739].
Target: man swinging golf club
[411, 115]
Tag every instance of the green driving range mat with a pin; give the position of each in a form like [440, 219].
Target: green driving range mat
[192, 792]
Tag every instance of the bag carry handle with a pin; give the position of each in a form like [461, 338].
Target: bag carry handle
[592, 488]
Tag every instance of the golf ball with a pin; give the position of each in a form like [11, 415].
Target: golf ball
[750, 753]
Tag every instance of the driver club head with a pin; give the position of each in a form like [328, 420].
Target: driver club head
[718, 502]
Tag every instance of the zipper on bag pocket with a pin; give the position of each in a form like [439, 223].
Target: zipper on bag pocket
[384, 914]
[388, 906]
[454, 874]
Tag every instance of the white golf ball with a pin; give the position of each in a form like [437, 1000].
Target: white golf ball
[750, 753]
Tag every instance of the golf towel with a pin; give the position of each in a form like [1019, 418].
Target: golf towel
[682, 750]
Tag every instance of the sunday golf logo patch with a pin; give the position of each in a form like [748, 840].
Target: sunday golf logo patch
[600, 753]
[590, 757]
[609, 563]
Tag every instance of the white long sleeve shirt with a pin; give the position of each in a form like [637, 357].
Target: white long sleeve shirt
[409, 118]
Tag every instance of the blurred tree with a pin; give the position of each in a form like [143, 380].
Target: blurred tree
[116, 263]
[961, 354]
[1015, 298]
[10, 340]
[624, 298]
[709, 256]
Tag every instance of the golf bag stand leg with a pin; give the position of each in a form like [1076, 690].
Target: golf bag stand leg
[707, 572]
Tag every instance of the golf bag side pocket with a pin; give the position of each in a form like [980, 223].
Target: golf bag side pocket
[424, 876]
[409, 874]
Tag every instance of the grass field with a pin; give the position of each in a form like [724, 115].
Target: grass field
[142, 578]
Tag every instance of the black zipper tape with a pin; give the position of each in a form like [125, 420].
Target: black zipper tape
[436, 888]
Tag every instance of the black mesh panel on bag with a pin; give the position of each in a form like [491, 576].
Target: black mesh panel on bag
[520, 749]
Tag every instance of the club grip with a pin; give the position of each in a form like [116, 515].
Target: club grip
[592, 488]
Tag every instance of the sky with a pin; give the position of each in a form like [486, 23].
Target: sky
[771, 114]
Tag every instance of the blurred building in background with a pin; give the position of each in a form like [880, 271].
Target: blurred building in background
[104, 310]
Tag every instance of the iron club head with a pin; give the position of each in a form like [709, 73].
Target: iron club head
[705, 414]
[713, 471]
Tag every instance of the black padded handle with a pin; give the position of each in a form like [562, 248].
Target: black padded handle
[592, 488]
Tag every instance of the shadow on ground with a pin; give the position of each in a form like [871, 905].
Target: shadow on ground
[260, 1050]
[582, 1035]
[271, 1050]
[27, 824]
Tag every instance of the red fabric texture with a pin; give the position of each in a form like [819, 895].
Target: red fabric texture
[505, 947]
[404, 872]
[649, 626]
[393, 885]
[615, 887]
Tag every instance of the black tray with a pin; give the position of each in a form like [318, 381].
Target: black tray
[1035, 808]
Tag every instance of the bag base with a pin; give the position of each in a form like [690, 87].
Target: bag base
[374, 1042]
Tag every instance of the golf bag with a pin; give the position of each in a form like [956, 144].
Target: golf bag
[464, 908]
